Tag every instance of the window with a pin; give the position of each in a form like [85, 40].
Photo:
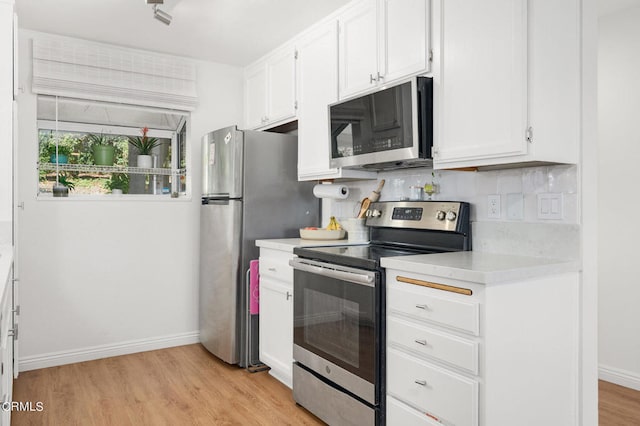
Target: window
[87, 147]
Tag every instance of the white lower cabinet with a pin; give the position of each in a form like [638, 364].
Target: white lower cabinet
[432, 356]
[6, 351]
[276, 313]
[502, 356]
[401, 414]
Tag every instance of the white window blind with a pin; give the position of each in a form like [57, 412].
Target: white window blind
[76, 68]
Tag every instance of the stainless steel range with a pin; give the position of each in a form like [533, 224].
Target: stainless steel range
[339, 307]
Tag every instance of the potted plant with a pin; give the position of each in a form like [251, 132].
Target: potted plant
[118, 184]
[62, 155]
[144, 145]
[62, 187]
[103, 150]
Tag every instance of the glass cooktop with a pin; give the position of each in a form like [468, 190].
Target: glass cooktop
[362, 256]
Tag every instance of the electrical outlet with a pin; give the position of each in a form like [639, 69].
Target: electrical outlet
[493, 202]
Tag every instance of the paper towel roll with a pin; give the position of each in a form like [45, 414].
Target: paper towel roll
[337, 192]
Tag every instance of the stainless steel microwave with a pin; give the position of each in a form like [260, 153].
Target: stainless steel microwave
[388, 129]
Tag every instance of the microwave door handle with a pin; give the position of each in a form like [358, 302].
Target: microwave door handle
[333, 271]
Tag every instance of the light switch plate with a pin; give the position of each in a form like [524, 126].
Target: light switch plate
[493, 209]
[550, 206]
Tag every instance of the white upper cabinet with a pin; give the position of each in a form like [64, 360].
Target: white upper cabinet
[317, 87]
[255, 93]
[270, 89]
[358, 48]
[506, 82]
[406, 27]
[382, 41]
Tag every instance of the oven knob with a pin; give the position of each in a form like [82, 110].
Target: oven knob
[440, 215]
[451, 216]
[376, 213]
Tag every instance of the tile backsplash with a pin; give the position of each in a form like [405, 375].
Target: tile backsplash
[474, 187]
[521, 186]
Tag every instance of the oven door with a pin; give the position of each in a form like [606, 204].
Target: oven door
[337, 324]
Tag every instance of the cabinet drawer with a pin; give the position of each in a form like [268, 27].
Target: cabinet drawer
[277, 267]
[425, 341]
[449, 397]
[401, 414]
[419, 303]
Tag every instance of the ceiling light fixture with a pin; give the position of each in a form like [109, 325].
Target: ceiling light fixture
[161, 15]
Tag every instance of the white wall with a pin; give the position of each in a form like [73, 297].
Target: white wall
[99, 278]
[619, 174]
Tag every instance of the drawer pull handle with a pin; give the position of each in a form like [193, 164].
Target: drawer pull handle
[272, 269]
[459, 290]
[425, 307]
[420, 382]
[289, 295]
[421, 342]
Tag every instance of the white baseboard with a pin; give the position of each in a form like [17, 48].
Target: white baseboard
[619, 377]
[53, 359]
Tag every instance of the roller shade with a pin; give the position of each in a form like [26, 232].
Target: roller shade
[76, 68]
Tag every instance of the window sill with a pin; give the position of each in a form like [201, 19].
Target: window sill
[114, 197]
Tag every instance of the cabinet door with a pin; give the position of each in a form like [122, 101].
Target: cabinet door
[6, 349]
[481, 105]
[358, 53]
[405, 43]
[281, 95]
[255, 95]
[317, 78]
[276, 328]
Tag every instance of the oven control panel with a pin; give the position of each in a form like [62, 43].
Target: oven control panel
[433, 215]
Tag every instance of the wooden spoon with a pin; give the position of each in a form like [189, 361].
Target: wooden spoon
[364, 207]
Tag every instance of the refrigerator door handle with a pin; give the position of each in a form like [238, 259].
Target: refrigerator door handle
[217, 202]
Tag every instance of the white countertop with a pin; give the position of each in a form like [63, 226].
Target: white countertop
[288, 244]
[480, 267]
[6, 258]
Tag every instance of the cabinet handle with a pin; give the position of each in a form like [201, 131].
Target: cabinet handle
[420, 382]
[425, 307]
[371, 79]
[272, 269]
[421, 342]
[380, 77]
[289, 295]
[14, 332]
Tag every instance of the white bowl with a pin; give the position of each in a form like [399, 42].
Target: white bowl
[322, 234]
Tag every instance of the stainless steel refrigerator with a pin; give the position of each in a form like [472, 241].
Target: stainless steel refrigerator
[250, 191]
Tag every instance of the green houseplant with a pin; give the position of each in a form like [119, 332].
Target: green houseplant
[144, 144]
[63, 186]
[62, 156]
[119, 183]
[103, 149]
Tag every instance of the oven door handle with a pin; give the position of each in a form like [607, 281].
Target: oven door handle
[334, 271]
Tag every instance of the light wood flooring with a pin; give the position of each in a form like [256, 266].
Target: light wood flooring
[618, 406]
[187, 385]
[178, 386]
